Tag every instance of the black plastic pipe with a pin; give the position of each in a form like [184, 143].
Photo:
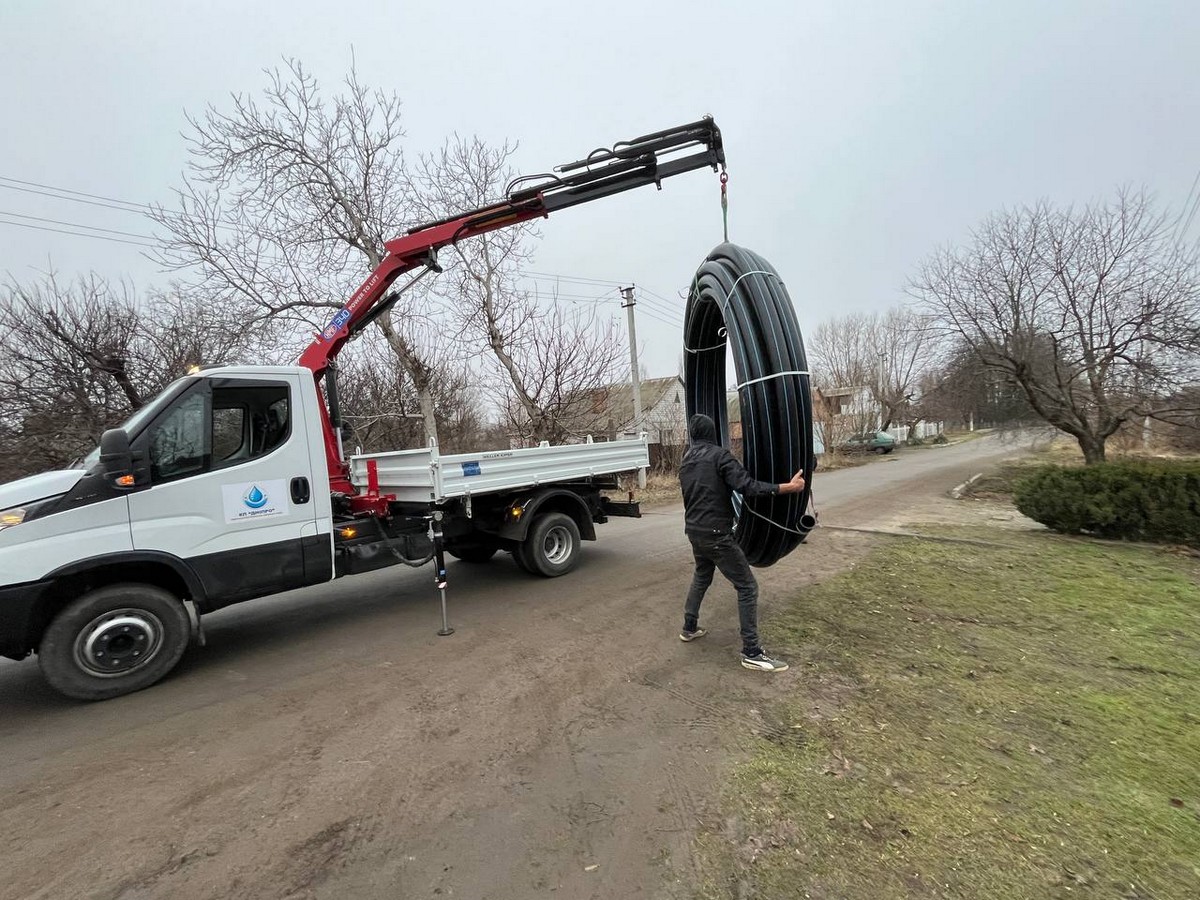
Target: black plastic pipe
[738, 301]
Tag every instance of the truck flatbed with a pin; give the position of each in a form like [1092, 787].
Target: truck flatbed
[426, 476]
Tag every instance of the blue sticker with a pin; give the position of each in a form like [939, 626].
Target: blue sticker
[335, 324]
[471, 468]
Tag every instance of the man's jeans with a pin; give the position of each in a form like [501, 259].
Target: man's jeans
[720, 551]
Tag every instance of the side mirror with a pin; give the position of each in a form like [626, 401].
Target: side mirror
[119, 463]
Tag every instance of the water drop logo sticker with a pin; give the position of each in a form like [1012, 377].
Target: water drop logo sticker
[255, 500]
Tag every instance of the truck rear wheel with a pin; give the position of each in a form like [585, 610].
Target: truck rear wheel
[113, 641]
[552, 546]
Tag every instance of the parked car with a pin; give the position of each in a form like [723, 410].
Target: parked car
[872, 441]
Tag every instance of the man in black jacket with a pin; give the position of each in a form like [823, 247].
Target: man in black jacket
[708, 476]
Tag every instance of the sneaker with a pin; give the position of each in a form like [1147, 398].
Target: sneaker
[686, 635]
[763, 663]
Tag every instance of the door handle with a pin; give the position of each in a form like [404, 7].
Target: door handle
[300, 490]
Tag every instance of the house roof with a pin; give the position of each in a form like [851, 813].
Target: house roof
[615, 401]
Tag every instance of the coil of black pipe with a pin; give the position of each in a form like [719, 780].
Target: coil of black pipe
[737, 300]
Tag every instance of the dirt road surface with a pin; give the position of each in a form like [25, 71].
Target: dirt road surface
[328, 744]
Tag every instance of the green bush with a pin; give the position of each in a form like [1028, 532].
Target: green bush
[1136, 501]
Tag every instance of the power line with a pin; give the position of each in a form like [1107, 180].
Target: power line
[17, 215]
[660, 309]
[61, 190]
[651, 312]
[662, 306]
[576, 278]
[668, 306]
[1187, 225]
[662, 320]
[670, 303]
[98, 237]
[663, 310]
[13, 187]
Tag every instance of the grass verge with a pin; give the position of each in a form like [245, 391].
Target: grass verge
[1015, 721]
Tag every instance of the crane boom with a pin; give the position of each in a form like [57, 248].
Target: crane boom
[644, 160]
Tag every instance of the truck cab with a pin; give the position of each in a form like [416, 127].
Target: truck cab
[223, 497]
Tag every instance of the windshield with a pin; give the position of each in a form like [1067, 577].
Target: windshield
[134, 424]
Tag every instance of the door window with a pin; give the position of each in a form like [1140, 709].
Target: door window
[229, 433]
[179, 445]
[232, 425]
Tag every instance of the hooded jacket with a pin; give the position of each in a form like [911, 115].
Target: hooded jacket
[708, 476]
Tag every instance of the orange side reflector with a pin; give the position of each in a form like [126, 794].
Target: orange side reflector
[124, 481]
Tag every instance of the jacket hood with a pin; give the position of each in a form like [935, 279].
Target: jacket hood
[702, 429]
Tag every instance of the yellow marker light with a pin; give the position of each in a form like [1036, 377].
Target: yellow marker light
[516, 511]
[193, 370]
[124, 481]
[348, 532]
[12, 517]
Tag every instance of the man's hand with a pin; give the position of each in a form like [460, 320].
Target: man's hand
[795, 486]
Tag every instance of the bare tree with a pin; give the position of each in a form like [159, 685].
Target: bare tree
[78, 358]
[381, 406]
[544, 358]
[288, 198]
[907, 349]
[567, 362]
[963, 390]
[840, 351]
[1094, 313]
[885, 353]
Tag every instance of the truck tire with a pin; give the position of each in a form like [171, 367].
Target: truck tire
[472, 553]
[519, 557]
[552, 546]
[113, 641]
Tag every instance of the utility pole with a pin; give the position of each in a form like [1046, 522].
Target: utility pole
[635, 382]
[881, 389]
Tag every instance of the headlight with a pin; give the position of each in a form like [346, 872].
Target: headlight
[18, 514]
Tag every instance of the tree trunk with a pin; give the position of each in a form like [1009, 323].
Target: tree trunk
[1092, 447]
[416, 371]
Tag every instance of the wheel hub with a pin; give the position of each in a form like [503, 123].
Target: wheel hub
[557, 546]
[119, 642]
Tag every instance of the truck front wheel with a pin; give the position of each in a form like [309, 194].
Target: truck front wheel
[113, 641]
[552, 546]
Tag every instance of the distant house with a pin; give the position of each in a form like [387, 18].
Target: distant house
[847, 402]
[844, 411]
[608, 412]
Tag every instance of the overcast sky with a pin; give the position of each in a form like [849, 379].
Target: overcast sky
[859, 135]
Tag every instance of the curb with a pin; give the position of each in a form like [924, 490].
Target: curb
[958, 491]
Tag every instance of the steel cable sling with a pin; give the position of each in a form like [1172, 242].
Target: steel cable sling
[737, 300]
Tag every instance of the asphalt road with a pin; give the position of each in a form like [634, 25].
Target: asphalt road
[327, 743]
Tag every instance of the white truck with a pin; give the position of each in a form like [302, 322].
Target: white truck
[232, 484]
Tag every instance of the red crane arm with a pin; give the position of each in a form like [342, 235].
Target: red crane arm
[626, 165]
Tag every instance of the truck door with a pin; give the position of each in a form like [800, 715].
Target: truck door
[232, 488]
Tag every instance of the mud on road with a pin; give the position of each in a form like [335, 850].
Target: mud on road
[327, 743]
